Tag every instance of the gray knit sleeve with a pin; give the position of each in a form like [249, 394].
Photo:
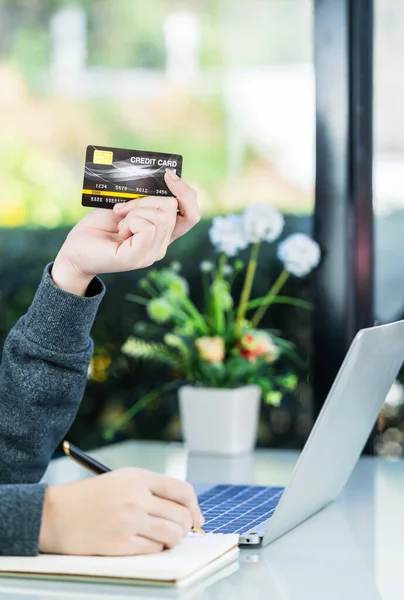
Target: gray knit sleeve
[20, 518]
[42, 378]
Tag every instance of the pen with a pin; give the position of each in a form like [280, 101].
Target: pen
[84, 460]
[89, 463]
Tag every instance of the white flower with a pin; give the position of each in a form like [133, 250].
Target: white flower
[227, 234]
[395, 397]
[299, 253]
[227, 270]
[206, 266]
[262, 223]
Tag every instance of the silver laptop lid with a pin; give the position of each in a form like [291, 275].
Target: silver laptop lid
[342, 427]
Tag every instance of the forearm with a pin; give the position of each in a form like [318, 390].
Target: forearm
[42, 378]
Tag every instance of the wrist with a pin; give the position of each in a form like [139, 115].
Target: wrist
[68, 278]
[47, 544]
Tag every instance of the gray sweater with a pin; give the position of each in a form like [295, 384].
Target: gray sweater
[42, 378]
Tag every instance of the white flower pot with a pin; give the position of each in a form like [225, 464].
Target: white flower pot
[220, 421]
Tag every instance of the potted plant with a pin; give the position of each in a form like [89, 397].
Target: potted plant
[223, 361]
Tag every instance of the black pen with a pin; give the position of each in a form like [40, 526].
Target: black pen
[89, 463]
[84, 460]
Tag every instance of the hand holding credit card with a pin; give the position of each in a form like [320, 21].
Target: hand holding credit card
[132, 236]
[116, 175]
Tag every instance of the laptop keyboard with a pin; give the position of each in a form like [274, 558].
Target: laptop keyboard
[238, 508]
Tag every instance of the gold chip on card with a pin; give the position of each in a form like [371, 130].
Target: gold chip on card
[103, 157]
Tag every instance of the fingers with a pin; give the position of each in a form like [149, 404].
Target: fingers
[187, 203]
[143, 545]
[139, 249]
[136, 224]
[146, 233]
[162, 222]
[161, 212]
[189, 214]
[101, 218]
[160, 202]
[171, 511]
[177, 491]
[161, 531]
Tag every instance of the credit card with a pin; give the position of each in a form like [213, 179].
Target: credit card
[113, 175]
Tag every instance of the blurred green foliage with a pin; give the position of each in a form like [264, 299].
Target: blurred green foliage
[119, 381]
[38, 187]
[204, 155]
[44, 135]
[44, 184]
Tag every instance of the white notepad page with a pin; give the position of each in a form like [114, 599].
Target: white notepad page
[195, 553]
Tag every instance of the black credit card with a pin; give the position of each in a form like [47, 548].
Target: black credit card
[114, 175]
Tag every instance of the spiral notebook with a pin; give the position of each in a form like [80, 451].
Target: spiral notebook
[195, 557]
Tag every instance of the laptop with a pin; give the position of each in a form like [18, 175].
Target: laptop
[260, 515]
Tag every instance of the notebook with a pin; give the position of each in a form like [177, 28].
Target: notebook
[195, 557]
[15, 588]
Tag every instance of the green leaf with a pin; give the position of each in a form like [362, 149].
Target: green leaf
[137, 299]
[264, 383]
[137, 348]
[274, 398]
[288, 382]
[289, 349]
[279, 300]
[239, 369]
[210, 373]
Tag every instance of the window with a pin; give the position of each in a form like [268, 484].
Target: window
[389, 197]
[230, 85]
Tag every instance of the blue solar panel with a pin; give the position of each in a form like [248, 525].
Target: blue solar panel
[238, 508]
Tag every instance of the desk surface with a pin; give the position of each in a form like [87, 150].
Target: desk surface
[353, 549]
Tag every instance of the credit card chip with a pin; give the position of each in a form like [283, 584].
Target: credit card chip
[103, 157]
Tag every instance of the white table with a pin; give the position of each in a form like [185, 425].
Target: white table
[352, 550]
